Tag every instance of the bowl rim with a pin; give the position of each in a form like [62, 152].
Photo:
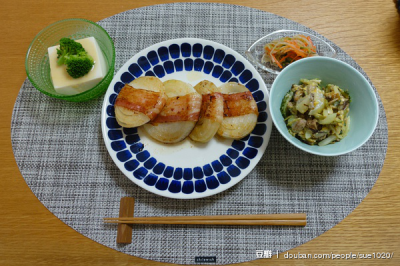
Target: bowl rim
[67, 97]
[292, 139]
[251, 58]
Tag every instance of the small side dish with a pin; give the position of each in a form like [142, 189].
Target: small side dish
[315, 114]
[286, 50]
[76, 65]
[38, 61]
[276, 50]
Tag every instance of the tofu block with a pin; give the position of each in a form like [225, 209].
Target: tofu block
[65, 84]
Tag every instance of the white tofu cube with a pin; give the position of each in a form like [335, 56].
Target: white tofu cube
[65, 84]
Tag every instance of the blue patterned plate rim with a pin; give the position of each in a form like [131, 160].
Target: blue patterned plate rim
[186, 170]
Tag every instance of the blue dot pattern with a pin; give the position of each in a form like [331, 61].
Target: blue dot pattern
[126, 143]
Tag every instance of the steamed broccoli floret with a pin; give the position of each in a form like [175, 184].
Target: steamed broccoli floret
[68, 47]
[79, 65]
[74, 56]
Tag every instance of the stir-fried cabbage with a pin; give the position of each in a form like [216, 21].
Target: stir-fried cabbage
[315, 114]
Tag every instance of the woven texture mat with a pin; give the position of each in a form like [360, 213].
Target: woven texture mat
[60, 152]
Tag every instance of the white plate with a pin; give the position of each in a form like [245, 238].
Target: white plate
[188, 169]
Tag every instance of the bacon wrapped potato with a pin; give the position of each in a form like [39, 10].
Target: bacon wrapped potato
[240, 111]
[211, 112]
[179, 115]
[140, 101]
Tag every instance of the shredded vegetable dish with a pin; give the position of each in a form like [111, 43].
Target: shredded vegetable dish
[283, 51]
[315, 114]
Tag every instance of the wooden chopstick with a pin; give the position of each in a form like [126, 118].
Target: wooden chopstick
[284, 216]
[295, 219]
[217, 222]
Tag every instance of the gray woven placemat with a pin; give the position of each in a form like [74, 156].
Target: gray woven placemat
[60, 152]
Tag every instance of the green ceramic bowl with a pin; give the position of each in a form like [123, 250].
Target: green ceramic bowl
[37, 60]
[364, 111]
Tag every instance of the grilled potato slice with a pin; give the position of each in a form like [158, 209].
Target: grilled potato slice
[179, 115]
[211, 112]
[240, 111]
[140, 101]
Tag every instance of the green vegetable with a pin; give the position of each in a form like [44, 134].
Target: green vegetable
[74, 56]
[288, 97]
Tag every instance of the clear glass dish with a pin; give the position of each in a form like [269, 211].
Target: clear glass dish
[255, 52]
[37, 60]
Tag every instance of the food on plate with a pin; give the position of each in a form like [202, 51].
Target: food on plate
[171, 111]
[140, 101]
[315, 114]
[281, 52]
[179, 115]
[76, 66]
[240, 111]
[211, 112]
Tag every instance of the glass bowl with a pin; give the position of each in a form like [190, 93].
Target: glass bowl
[256, 51]
[37, 60]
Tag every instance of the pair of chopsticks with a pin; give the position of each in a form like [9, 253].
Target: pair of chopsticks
[126, 219]
[290, 219]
